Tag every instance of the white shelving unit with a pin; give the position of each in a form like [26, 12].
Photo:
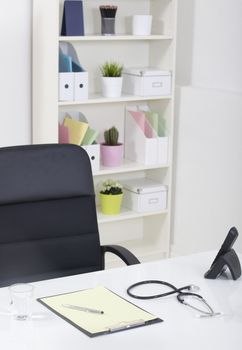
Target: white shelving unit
[148, 234]
[97, 98]
[114, 38]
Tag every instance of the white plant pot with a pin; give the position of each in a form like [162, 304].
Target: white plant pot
[112, 86]
[141, 24]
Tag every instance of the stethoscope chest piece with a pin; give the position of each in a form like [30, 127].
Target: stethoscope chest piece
[204, 308]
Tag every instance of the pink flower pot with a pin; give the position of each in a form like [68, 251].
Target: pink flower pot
[111, 155]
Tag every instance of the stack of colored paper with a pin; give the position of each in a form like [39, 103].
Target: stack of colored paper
[76, 130]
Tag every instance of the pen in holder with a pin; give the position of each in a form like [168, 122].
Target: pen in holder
[108, 13]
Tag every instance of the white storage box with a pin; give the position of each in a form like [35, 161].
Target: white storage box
[93, 152]
[144, 195]
[146, 82]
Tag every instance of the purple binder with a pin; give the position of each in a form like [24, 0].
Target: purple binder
[73, 22]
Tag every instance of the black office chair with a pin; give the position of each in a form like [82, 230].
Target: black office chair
[48, 223]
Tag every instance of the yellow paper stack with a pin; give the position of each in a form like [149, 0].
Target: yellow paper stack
[77, 130]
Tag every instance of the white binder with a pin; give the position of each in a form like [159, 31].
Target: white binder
[80, 86]
[138, 147]
[142, 149]
[66, 86]
[93, 152]
[162, 155]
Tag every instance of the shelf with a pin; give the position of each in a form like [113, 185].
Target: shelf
[118, 37]
[125, 215]
[151, 253]
[97, 99]
[147, 234]
[127, 166]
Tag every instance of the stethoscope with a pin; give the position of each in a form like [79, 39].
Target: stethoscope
[182, 294]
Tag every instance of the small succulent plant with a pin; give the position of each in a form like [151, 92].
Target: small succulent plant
[111, 187]
[111, 136]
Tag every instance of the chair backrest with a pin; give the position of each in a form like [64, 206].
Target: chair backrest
[48, 223]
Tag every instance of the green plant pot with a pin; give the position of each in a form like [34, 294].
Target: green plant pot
[110, 204]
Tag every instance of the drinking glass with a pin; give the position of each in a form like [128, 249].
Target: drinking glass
[21, 296]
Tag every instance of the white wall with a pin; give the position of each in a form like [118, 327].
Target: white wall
[217, 45]
[209, 45]
[208, 190]
[208, 197]
[15, 72]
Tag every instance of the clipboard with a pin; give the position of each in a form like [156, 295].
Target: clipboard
[118, 314]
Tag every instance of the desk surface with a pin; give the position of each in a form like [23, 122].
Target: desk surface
[180, 329]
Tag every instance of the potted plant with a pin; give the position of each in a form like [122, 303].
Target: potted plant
[111, 150]
[112, 79]
[111, 195]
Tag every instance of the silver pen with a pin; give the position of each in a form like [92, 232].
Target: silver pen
[82, 308]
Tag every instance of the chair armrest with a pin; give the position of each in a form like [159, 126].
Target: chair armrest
[123, 253]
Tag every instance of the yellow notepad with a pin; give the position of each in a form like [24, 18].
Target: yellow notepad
[118, 313]
[77, 130]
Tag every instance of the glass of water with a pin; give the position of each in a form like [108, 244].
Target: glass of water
[21, 296]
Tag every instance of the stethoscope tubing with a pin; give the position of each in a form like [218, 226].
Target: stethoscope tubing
[179, 291]
[167, 284]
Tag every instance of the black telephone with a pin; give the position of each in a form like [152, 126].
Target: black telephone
[226, 258]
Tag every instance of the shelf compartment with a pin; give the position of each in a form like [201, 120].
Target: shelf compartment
[128, 166]
[114, 37]
[97, 99]
[152, 254]
[125, 214]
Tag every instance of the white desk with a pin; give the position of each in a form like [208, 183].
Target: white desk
[180, 329]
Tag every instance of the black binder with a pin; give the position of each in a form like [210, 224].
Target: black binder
[73, 22]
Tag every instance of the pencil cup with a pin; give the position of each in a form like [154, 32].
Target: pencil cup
[21, 295]
[108, 26]
[141, 24]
